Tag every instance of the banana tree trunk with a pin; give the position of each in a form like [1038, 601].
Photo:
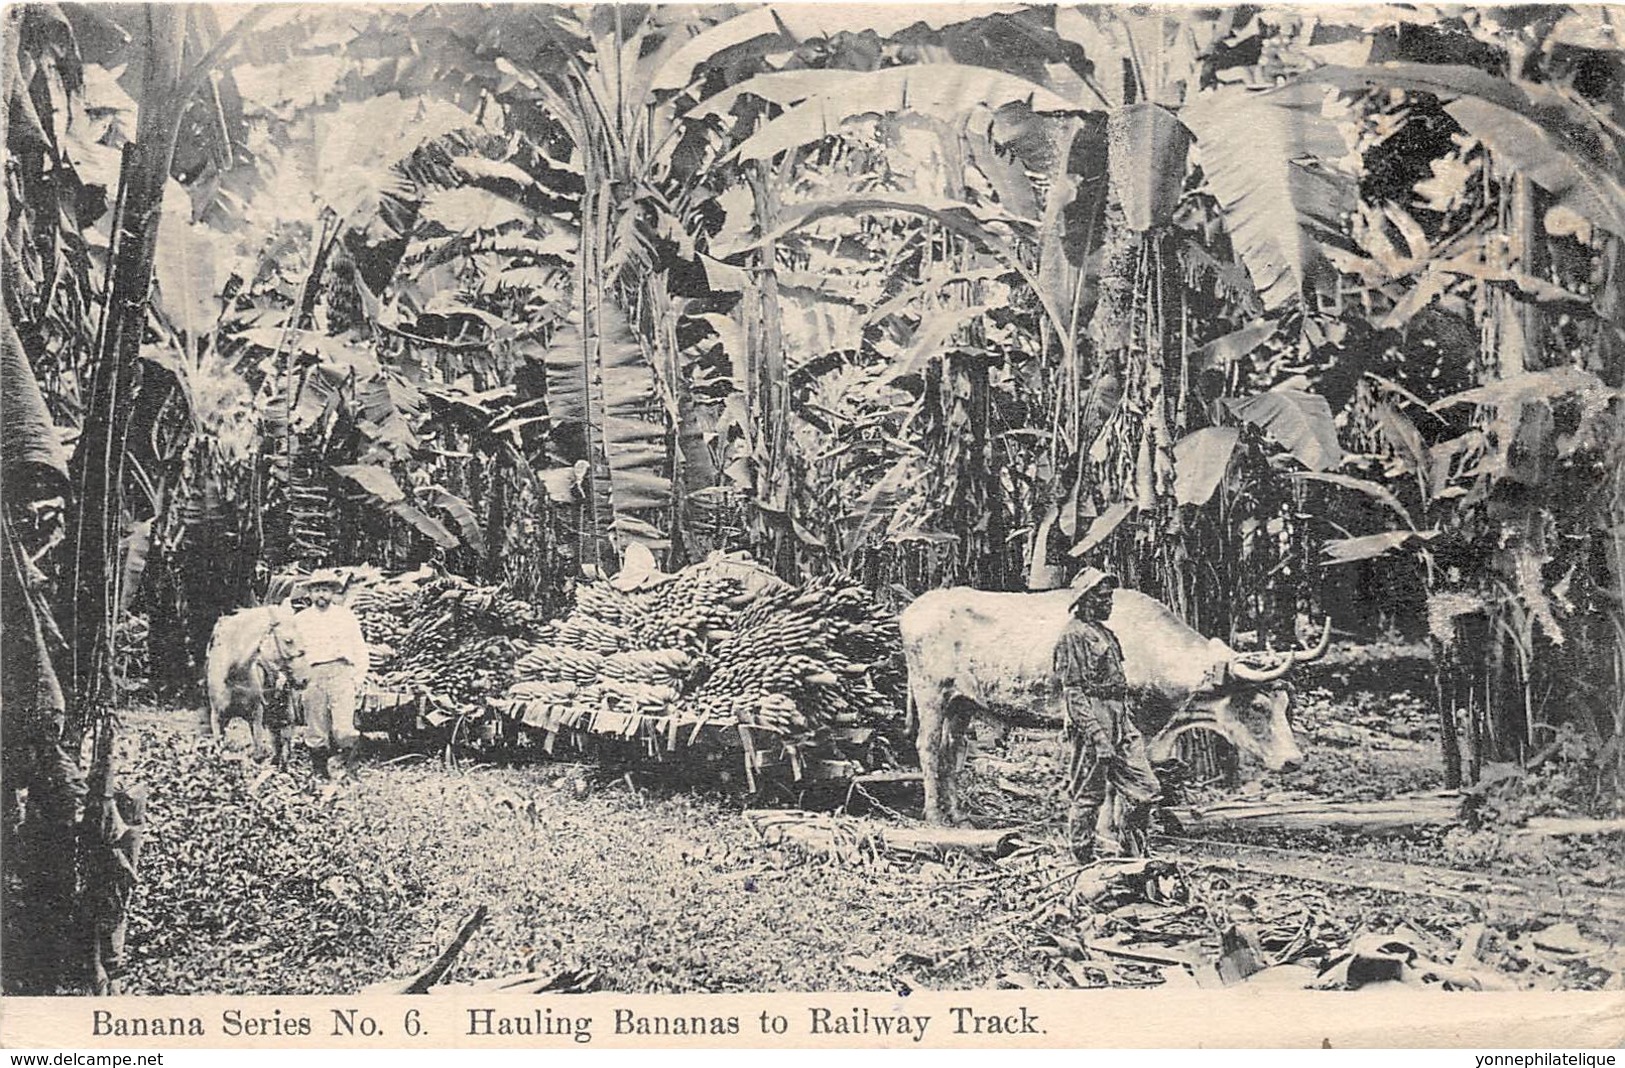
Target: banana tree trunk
[95, 510]
[597, 547]
[1616, 620]
[768, 399]
[97, 468]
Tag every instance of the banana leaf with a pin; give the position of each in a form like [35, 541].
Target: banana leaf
[602, 402]
[1299, 420]
[383, 491]
[818, 102]
[1200, 460]
[1265, 159]
[792, 23]
[1351, 550]
[31, 456]
[1538, 130]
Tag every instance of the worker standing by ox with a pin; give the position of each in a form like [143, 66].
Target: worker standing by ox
[1107, 750]
[335, 662]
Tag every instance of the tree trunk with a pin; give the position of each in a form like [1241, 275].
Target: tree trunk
[37, 757]
[95, 510]
[768, 388]
[97, 469]
[1446, 693]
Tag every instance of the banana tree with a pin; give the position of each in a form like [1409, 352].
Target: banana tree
[1497, 233]
[179, 50]
[782, 124]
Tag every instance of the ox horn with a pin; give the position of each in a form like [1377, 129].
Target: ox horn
[1247, 673]
[1303, 656]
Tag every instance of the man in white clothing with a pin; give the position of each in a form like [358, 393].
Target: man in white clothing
[335, 662]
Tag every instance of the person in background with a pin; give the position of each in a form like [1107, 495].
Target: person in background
[333, 665]
[1107, 749]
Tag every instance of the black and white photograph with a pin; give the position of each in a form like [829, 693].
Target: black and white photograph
[716, 499]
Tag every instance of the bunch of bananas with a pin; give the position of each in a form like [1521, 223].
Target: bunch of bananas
[604, 603]
[718, 645]
[687, 612]
[641, 698]
[810, 649]
[386, 611]
[652, 666]
[462, 674]
[443, 636]
[557, 663]
[578, 631]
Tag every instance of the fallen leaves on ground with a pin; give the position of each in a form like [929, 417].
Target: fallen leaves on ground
[253, 883]
[277, 890]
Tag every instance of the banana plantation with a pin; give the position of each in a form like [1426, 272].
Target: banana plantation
[637, 367]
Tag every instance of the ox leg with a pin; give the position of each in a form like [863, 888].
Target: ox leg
[929, 743]
[253, 695]
[942, 749]
[218, 692]
[256, 729]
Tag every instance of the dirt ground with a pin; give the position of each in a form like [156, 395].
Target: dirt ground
[253, 882]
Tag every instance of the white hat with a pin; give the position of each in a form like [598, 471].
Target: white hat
[326, 577]
[1088, 579]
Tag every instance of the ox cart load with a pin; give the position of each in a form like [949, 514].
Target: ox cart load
[720, 671]
[721, 659]
[442, 645]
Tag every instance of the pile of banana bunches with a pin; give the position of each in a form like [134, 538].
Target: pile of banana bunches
[444, 637]
[700, 649]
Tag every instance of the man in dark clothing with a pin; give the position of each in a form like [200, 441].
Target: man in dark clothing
[1107, 749]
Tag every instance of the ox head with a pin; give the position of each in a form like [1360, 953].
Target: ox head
[1247, 702]
[1255, 721]
[281, 644]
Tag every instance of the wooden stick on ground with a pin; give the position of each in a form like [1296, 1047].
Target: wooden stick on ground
[825, 833]
[1400, 813]
[441, 966]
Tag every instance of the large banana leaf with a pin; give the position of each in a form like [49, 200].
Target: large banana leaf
[185, 264]
[388, 405]
[813, 323]
[819, 102]
[1200, 460]
[1299, 420]
[1536, 129]
[792, 23]
[384, 492]
[964, 219]
[1376, 491]
[1369, 546]
[1592, 193]
[467, 522]
[31, 454]
[601, 400]
[355, 148]
[1530, 386]
[1103, 527]
[469, 208]
[969, 222]
[1266, 160]
[932, 337]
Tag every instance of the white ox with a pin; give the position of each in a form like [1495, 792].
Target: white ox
[250, 654]
[971, 652]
